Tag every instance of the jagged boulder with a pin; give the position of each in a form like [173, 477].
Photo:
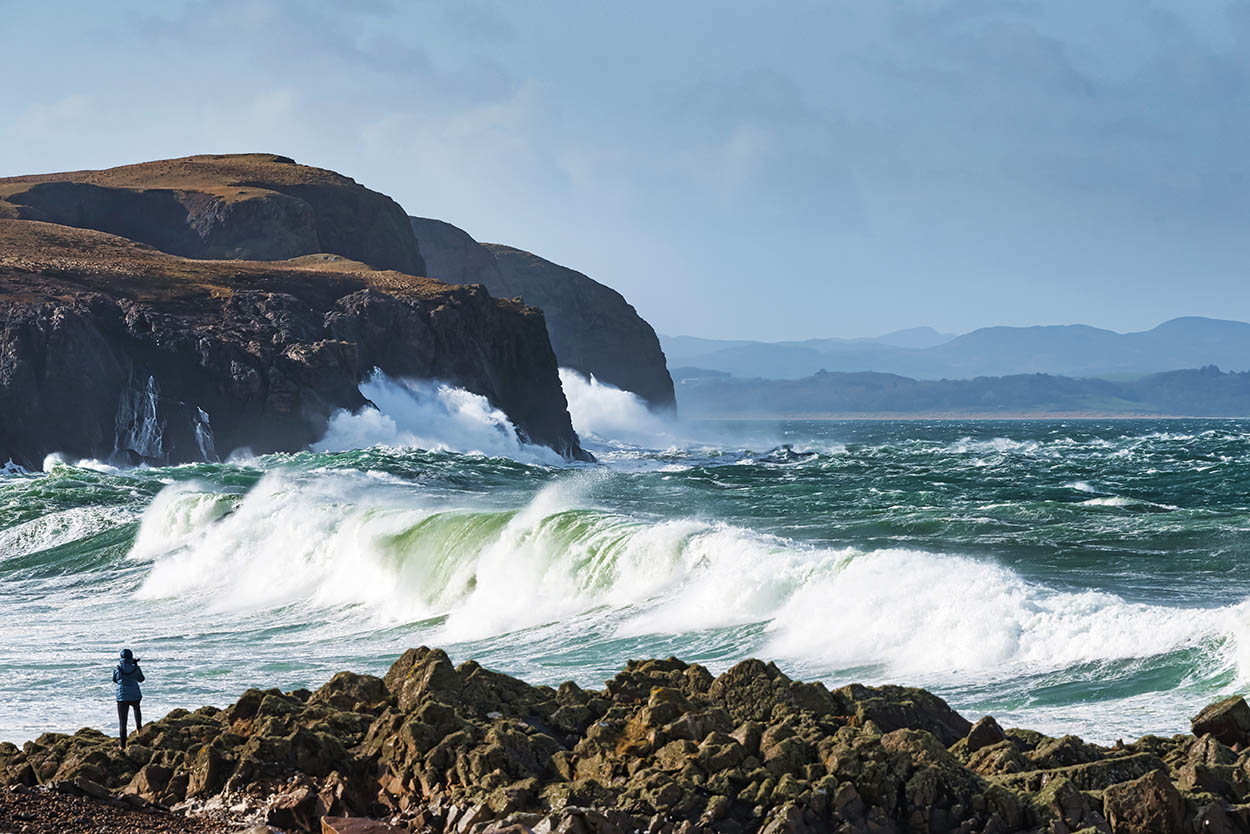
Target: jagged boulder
[897, 707]
[1150, 804]
[1227, 720]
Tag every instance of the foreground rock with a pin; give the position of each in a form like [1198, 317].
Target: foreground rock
[664, 747]
[593, 329]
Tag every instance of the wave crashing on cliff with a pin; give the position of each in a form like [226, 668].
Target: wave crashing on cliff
[425, 414]
[608, 415]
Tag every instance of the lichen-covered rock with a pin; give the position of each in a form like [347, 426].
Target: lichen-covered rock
[1148, 805]
[896, 707]
[663, 748]
[1227, 720]
[984, 733]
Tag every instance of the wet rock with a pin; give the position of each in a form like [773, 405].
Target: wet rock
[357, 825]
[1227, 720]
[350, 692]
[1064, 752]
[150, 782]
[1092, 776]
[464, 750]
[295, 808]
[1148, 805]
[1061, 803]
[984, 733]
[898, 707]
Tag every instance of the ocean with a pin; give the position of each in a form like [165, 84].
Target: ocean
[1070, 576]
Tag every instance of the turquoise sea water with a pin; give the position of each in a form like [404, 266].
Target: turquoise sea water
[1071, 576]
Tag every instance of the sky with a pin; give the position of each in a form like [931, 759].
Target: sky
[735, 169]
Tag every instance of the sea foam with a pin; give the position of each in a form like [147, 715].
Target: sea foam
[342, 539]
[427, 415]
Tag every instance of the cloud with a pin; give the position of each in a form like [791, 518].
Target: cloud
[884, 162]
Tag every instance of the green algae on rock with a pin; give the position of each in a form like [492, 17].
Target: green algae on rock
[664, 747]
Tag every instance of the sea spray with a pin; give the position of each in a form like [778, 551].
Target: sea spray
[607, 414]
[427, 415]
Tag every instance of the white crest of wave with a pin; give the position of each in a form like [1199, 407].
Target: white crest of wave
[426, 415]
[345, 539]
[57, 459]
[607, 413]
[287, 540]
[60, 527]
[925, 614]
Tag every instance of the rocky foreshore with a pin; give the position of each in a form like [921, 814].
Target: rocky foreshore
[664, 747]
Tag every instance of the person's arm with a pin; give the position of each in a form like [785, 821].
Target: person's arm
[117, 674]
[139, 672]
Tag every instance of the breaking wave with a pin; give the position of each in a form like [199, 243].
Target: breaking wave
[342, 541]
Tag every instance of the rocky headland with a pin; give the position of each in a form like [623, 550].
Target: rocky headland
[179, 310]
[665, 746]
[593, 329]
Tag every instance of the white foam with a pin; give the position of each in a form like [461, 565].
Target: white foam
[924, 614]
[178, 512]
[57, 459]
[427, 415]
[57, 528]
[608, 414]
[342, 538]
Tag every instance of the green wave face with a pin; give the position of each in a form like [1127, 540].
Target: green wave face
[1085, 577]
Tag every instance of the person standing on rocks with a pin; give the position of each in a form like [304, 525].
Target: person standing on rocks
[127, 676]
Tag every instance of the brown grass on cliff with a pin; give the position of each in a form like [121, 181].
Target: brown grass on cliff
[229, 176]
[46, 260]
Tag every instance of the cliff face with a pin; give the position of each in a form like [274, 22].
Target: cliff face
[109, 347]
[593, 328]
[248, 206]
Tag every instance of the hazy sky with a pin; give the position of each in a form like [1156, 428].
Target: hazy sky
[762, 170]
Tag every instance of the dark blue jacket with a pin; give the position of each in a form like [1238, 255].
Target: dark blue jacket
[127, 675]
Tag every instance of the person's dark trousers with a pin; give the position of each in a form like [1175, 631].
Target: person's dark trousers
[122, 706]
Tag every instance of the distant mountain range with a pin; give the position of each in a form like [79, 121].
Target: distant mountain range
[1204, 392]
[922, 353]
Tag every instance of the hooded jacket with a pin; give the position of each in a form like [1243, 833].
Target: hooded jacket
[127, 675]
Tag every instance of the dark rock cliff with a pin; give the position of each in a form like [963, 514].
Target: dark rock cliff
[593, 328]
[109, 347]
[250, 206]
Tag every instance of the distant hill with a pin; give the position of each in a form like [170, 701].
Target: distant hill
[1205, 392]
[1067, 350]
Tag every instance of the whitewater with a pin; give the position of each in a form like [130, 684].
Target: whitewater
[1068, 576]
